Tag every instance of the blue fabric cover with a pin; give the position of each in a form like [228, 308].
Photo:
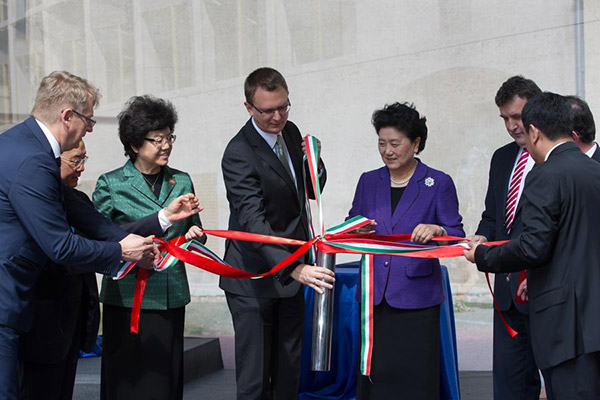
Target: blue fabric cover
[340, 381]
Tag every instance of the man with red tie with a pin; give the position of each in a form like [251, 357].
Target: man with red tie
[514, 370]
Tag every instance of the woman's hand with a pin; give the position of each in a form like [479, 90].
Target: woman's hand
[182, 207]
[424, 232]
[195, 232]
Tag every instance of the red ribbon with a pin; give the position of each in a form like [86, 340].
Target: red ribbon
[140, 286]
[172, 247]
[215, 267]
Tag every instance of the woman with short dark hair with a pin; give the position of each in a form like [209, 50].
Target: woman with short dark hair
[405, 196]
[150, 364]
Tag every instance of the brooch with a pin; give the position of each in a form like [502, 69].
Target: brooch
[429, 181]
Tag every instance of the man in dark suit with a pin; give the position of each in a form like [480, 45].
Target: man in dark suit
[263, 173]
[584, 128]
[559, 247]
[35, 215]
[67, 311]
[514, 371]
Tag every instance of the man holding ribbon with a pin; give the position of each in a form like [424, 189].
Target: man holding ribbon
[515, 374]
[34, 211]
[264, 176]
[559, 247]
[67, 311]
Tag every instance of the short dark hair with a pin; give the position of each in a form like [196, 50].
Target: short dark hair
[583, 119]
[405, 118]
[266, 78]
[516, 86]
[550, 113]
[141, 115]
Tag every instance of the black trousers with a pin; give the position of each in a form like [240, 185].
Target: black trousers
[516, 376]
[39, 381]
[406, 355]
[268, 345]
[146, 366]
[575, 379]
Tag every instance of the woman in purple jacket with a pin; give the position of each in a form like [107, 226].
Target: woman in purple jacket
[405, 196]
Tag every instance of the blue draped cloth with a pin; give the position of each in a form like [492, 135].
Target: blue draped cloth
[340, 381]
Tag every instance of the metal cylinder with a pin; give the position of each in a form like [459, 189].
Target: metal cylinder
[322, 328]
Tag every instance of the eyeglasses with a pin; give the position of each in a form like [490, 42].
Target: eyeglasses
[283, 110]
[159, 141]
[76, 162]
[91, 122]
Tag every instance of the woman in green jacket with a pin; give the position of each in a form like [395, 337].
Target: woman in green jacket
[150, 364]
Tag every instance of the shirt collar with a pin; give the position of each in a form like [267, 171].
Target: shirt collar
[591, 151]
[270, 138]
[53, 142]
[552, 149]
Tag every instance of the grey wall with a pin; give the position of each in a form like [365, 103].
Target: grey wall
[342, 59]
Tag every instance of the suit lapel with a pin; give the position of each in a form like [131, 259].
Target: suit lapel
[136, 180]
[39, 135]
[43, 140]
[168, 185]
[410, 194]
[384, 196]
[263, 150]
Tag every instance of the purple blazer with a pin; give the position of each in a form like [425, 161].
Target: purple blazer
[429, 198]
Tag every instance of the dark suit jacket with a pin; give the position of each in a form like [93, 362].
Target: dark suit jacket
[58, 297]
[34, 227]
[492, 220]
[559, 247]
[263, 199]
[596, 155]
[429, 198]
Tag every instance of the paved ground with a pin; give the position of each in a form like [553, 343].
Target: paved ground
[209, 316]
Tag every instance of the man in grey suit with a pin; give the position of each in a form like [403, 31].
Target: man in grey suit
[263, 173]
[559, 247]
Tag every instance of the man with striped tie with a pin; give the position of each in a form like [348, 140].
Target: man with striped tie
[514, 371]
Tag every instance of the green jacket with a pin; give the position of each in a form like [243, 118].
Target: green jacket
[123, 196]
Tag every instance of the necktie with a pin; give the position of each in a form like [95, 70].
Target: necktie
[280, 151]
[512, 198]
[513, 190]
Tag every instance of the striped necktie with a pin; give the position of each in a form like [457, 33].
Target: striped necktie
[513, 190]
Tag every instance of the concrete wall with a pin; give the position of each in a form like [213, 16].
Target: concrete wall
[342, 59]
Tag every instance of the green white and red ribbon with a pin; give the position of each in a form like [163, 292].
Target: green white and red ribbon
[333, 240]
[366, 314]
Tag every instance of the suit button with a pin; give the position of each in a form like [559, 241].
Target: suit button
[385, 264]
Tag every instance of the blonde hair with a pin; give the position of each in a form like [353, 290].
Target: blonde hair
[62, 89]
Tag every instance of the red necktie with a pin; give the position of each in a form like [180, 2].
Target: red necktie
[513, 190]
[511, 205]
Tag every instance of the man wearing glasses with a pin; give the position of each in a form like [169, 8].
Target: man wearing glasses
[263, 173]
[34, 212]
[67, 311]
